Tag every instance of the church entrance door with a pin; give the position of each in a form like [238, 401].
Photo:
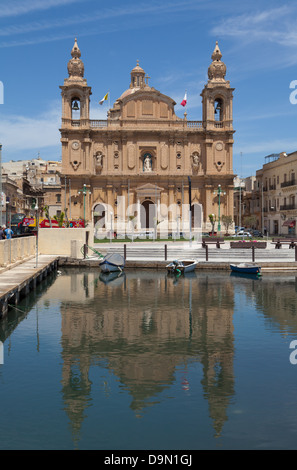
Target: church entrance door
[147, 215]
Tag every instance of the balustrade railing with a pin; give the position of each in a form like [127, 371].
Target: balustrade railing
[288, 207]
[198, 124]
[98, 123]
[103, 123]
[288, 183]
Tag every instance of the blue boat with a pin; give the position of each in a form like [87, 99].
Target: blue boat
[246, 268]
[112, 262]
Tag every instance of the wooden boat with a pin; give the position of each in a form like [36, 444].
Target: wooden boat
[181, 266]
[112, 262]
[246, 268]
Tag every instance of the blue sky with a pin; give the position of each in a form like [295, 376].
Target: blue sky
[173, 40]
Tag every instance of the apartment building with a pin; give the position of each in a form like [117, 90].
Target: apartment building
[275, 194]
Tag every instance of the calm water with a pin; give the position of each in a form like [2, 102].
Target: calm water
[147, 361]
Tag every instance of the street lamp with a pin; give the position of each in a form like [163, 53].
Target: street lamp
[110, 235]
[37, 231]
[219, 192]
[190, 208]
[84, 191]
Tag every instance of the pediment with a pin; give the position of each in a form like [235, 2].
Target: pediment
[149, 190]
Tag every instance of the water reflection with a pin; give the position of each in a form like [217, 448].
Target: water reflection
[145, 328]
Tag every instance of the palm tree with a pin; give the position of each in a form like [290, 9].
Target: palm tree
[45, 209]
[60, 219]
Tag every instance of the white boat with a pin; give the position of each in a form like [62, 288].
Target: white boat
[112, 262]
[182, 266]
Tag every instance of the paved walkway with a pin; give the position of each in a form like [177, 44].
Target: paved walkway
[21, 277]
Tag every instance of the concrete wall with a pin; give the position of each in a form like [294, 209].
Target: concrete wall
[64, 241]
[16, 249]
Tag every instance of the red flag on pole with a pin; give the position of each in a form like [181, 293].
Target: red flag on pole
[184, 101]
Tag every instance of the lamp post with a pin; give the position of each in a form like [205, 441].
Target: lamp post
[84, 191]
[219, 192]
[37, 231]
[110, 235]
[190, 208]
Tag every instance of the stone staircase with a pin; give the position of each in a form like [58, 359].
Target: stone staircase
[158, 252]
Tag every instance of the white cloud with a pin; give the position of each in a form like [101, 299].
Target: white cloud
[158, 12]
[274, 25]
[23, 133]
[17, 8]
[269, 147]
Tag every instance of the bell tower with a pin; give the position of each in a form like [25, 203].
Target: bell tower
[217, 115]
[75, 92]
[75, 117]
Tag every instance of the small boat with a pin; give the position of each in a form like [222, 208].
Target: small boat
[112, 262]
[246, 268]
[253, 276]
[116, 277]
[181, 266]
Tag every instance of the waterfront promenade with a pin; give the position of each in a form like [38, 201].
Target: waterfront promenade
[17, 280]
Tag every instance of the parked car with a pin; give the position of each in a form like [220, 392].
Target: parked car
[243, 234]
[257, 233]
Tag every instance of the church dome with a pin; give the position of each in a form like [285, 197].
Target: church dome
[137, 81]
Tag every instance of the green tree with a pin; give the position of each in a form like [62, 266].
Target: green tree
[212, 219]
[227, 221]
[250, 221]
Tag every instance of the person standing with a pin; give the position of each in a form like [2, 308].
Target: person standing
[2, 234]
[8, 232]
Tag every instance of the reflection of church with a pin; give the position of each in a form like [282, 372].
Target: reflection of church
[143, 155]
[143, 339]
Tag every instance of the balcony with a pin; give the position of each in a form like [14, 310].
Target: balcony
[285, 184]
[288, 207]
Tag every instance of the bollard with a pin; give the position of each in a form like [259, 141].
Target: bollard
[165, 252]
[85, 251]
[206, 252]
[125, 251]
[295, 252]
[253, 253]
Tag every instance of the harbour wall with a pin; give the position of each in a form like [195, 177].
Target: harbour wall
[16, 250]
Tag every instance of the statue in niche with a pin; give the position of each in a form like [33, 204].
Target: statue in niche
[98, 162]
[147, 164]
[195, 161]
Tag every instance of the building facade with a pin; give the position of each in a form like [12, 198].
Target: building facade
[36, 182]
[276, 186]
[143, 167]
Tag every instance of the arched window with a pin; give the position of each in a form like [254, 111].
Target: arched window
[75, 108]
[218, 109]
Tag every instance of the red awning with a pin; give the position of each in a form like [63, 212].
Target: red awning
[289, 223]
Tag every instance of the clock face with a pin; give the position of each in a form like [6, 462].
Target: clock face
[75, 145]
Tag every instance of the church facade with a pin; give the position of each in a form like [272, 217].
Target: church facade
[144, 168]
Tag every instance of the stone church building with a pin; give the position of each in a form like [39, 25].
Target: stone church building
[144, 168]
